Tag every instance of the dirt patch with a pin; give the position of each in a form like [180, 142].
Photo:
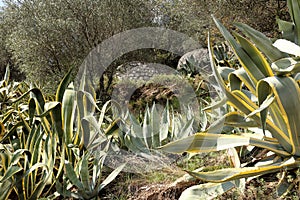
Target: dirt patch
[159, 191]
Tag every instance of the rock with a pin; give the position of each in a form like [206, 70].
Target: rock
[199, 59]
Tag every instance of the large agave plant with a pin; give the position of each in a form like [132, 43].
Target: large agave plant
[138, 137]
[263, 94]
[41, 147]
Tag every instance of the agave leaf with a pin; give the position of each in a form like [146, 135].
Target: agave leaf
[206, 190]
[84, 174]
[207, 142]
[287, 29]
[155, 126]
[164, 124]
[5, 189]
[111, 177]
[228, 174]
[31, 110]
[284, 87]
[7, 74]
[238, 77]
[63, 86]
[103, 112]
[234, 157]
[68, 109]
[186, 130]
[287, 47]
[241, 102]
[256, 56]
[286, 66]
[90, 136]
[71, 175]
[10, 172]
[234, 119]
[262, 42]
[91, 103]
[294, 9]
[224, 72]
[253, 71]
[263, 106]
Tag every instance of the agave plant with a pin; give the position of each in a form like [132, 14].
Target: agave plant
[262, 94]
[43, 144]
[138, 138]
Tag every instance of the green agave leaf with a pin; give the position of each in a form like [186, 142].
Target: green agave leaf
[287, 29]
[70, 173]
[228, 174]
[31, 110]
[284, 87]
[263, 106]
[84, 174]
[154, 125]
[63, 85]
[262, 42]
[90, 136]
[186, 129]
[5, 189]
[206, 190]
[111, 177]
[10, 172]
[294, 9]
[103, 112]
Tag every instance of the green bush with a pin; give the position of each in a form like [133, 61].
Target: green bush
[264, 99]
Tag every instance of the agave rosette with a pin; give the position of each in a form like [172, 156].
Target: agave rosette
[263, 93]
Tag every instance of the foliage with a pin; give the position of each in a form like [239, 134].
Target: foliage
[193, 17]
[45, 152]
[47, 37]
[257, 94]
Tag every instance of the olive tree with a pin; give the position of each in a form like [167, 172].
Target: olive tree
[47, 37]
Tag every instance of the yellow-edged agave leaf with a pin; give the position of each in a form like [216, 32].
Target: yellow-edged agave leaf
[246, 61]
[207, 142]
[238, 77]
[68, 109]
[229, 174]
[2, 130]
[206, 190]
[262, 42]
[224, 72]
[263, 106]
[63, 85]
[294, 9]
[286, 66]
[234, 119]
[256, 56]
[241, 102]
[287, 95]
